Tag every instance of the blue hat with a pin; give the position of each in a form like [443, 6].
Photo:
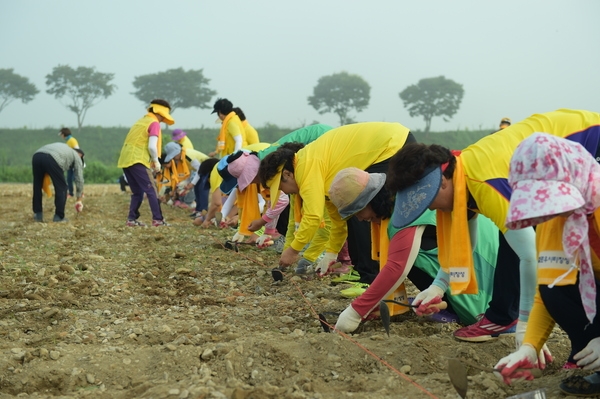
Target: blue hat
[414, 200]
[229, 181]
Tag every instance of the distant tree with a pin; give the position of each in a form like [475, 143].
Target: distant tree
[15, 87]
[433, 97]
[340, 93]
[182, 89]
[83, 87]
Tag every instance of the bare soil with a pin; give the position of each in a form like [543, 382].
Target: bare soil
[92, 308]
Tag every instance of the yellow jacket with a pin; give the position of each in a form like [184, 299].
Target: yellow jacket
[359, 145]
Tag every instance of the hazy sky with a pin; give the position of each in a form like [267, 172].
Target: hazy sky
[513, 57]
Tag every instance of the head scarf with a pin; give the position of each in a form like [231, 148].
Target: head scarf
[550, 176]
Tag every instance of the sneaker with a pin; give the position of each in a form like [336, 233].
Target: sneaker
[304, 267]
[38, 217]
[356, 290]
[278, 244]
[58, 219]
[135, 223]
[159, 223]
[352, 276]
[484, 330]
[577, 385]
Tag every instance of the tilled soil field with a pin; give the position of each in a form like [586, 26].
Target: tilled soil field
[92, 308]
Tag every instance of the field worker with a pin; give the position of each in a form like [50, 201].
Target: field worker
[556, 186]
[232, 136]
[205, 173]
[355, 192]
[180, 137]
[309, 173]
[139, 160]
[251, 133]
[187, 164]
[243, 172]
[71, 141]
[248, 201]
[460, 186]
[50, 163]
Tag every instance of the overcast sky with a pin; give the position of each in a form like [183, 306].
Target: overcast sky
[513, 57]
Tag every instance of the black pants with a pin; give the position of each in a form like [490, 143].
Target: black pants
[504, 307]
[565, 307]
[43, 164]
[282, 222]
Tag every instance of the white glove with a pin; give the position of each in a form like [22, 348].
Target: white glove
[589, 357]
[544, 356]
[238, 237]
[79, 206]
[425, 298]
[524, 358]
[325, 262]
[264, 241]
[348, 320]
[155, 166]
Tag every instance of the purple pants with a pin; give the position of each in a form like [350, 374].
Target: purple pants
[142, 182]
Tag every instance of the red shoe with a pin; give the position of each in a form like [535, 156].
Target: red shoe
[484, 330]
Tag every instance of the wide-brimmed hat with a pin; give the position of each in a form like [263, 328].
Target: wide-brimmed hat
[162, 111]
[548, 177]
[414, 200]
[178, 134]
[239, 170]
[352, 189]
[172, 149]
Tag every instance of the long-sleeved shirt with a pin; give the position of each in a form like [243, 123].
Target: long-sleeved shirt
[359, 145]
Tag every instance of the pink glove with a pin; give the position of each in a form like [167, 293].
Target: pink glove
[79, 206]
[431, 296]
[524, 358]
[544, 357]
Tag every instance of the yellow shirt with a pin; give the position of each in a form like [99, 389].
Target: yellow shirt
[186, 143]
[214, 179]
[72, 142]
[486, 161]
[233, 129]
[359, 145]
[251, 133]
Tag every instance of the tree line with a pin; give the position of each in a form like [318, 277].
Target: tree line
[340, 93]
